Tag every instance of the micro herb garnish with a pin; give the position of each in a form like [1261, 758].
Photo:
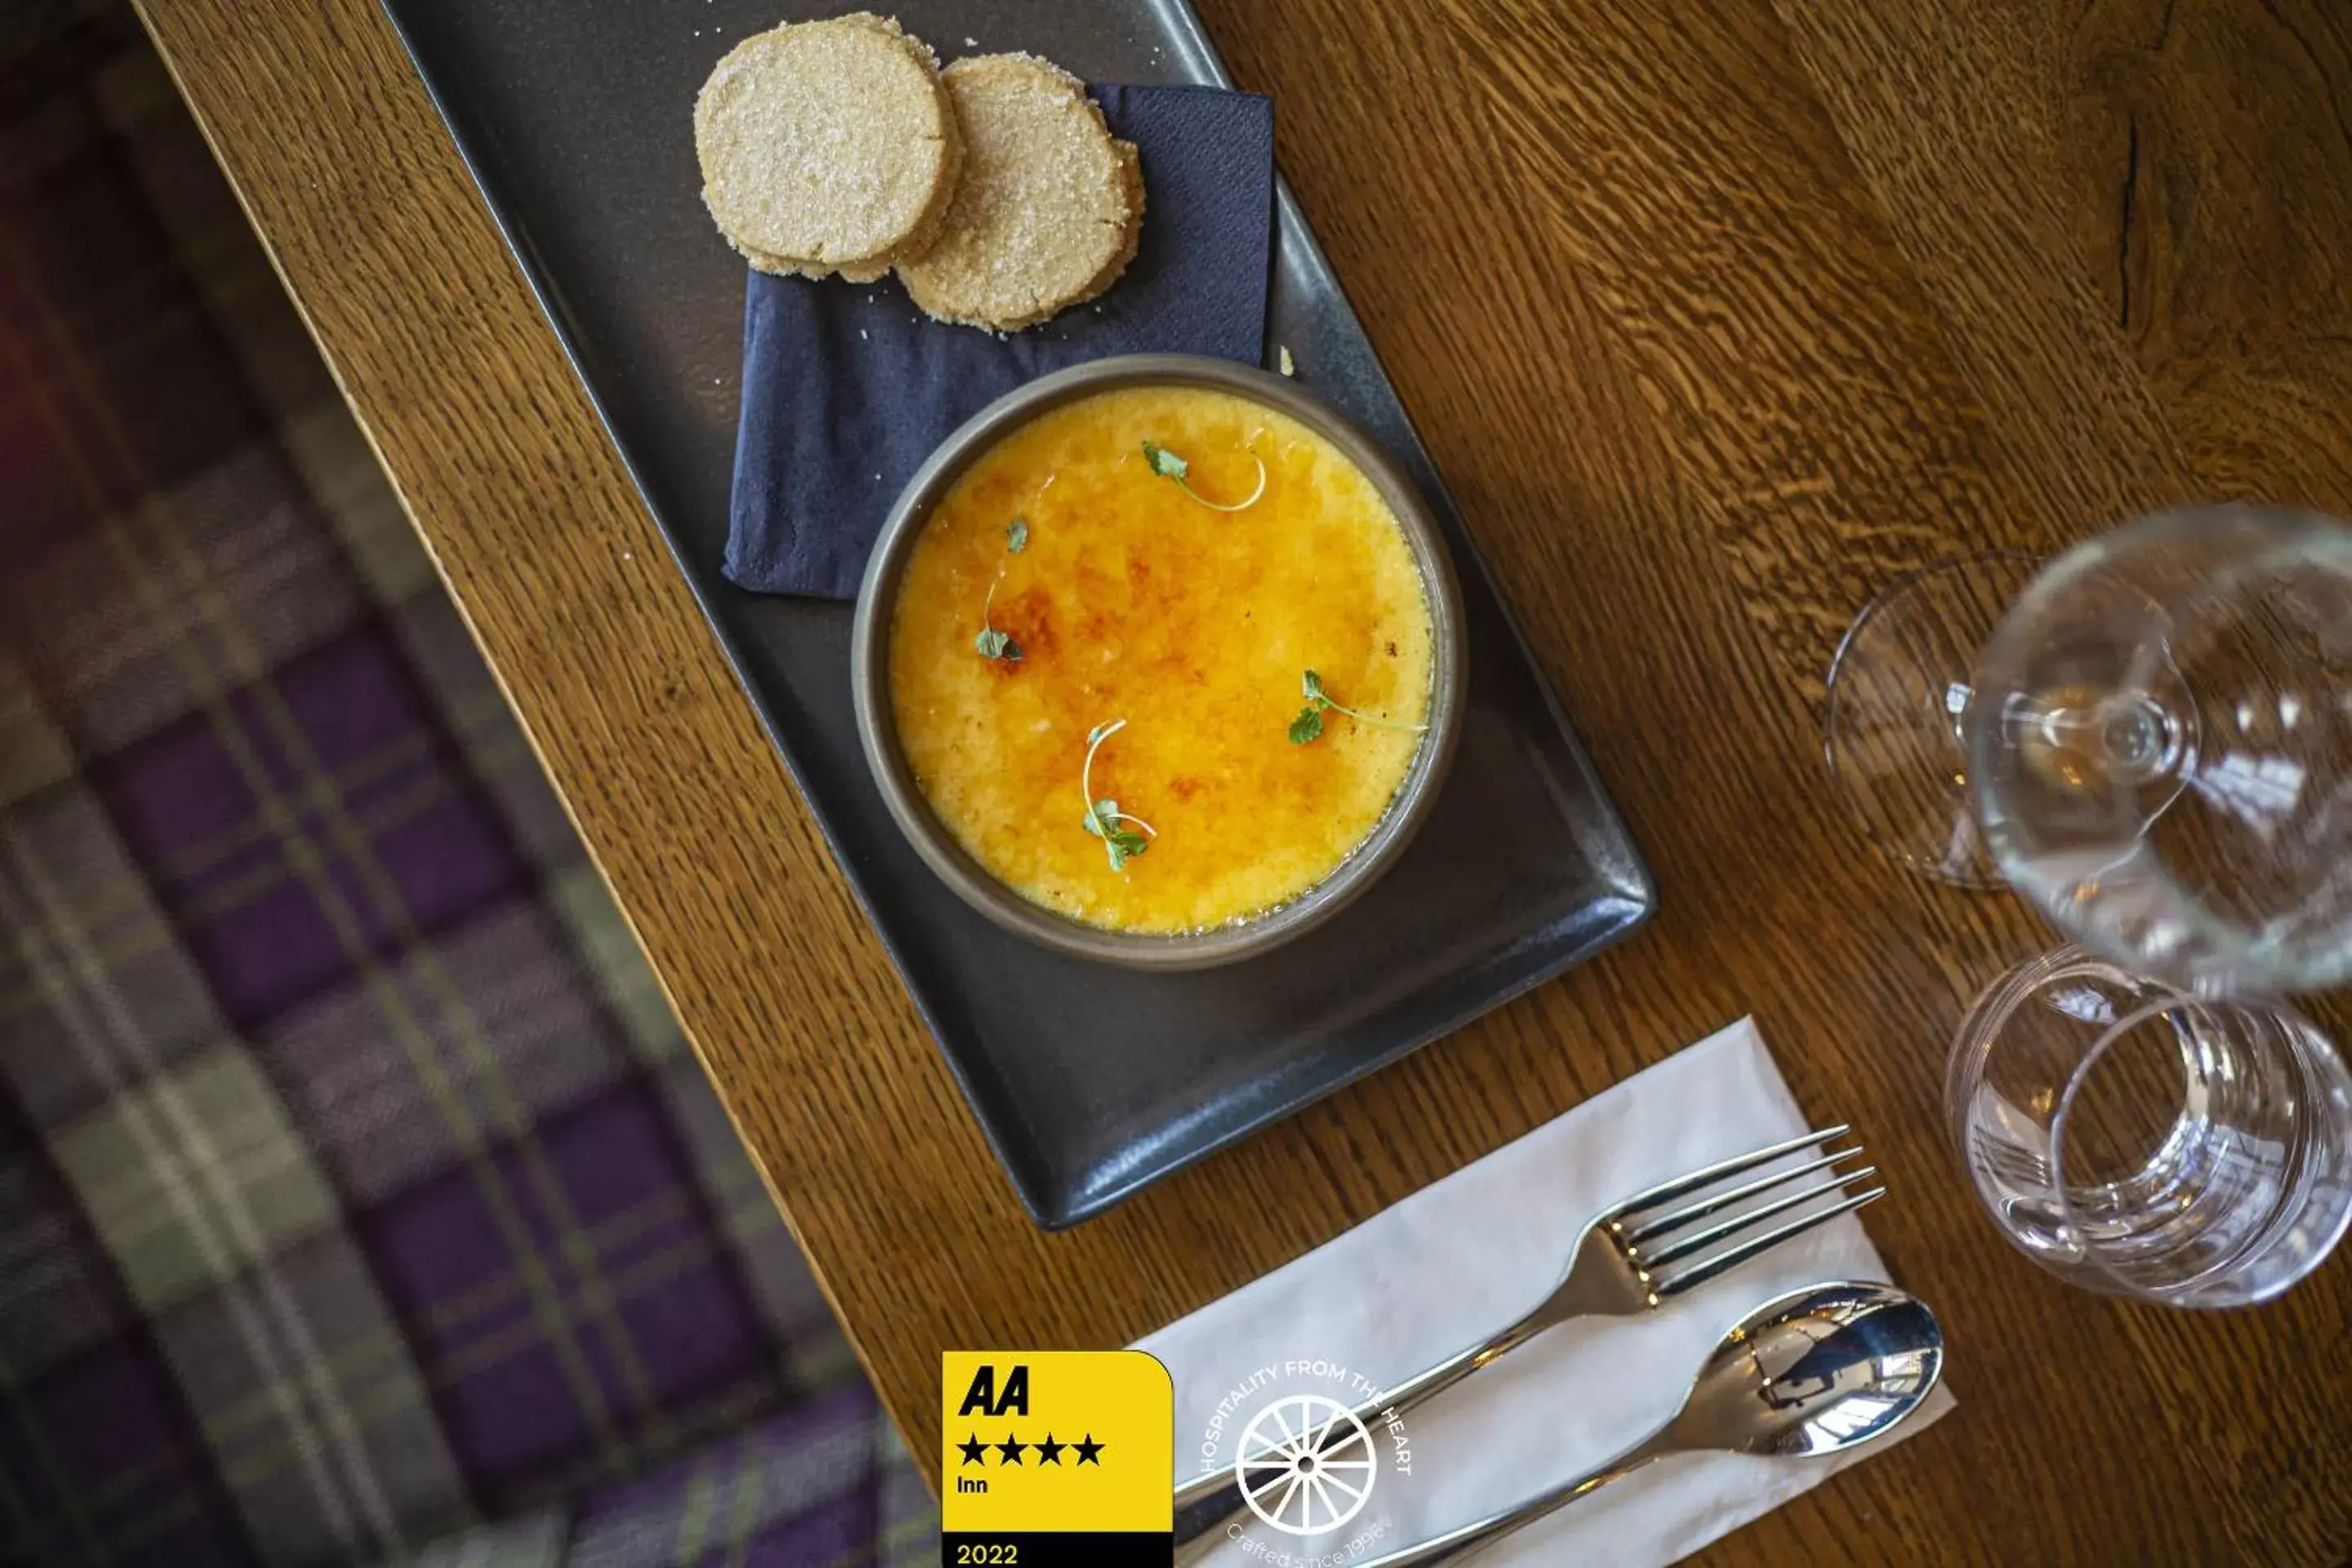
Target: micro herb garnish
[1308, 725]
[1103, 818]
[992, 643]
[1169, 466]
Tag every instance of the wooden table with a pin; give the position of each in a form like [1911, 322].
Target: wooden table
[1715, 316]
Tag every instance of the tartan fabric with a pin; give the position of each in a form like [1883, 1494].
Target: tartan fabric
[359, 1199]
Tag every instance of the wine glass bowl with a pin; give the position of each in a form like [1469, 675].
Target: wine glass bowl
[2160, 745]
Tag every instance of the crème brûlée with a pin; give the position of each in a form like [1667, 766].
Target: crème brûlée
[1100, 656]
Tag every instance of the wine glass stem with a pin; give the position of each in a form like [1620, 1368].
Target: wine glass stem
[2080, 738]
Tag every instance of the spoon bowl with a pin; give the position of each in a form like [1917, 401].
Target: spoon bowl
[1812, 1372]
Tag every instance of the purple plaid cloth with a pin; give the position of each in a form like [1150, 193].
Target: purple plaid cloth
[359, 1199]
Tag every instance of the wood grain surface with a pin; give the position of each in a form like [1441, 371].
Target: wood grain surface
[1716, 318]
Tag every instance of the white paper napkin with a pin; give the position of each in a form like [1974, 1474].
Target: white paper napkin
[1464, 1257]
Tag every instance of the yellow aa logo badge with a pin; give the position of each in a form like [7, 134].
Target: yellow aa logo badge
[1058, 1459]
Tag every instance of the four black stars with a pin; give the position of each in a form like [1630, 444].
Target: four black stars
[1049, 1452]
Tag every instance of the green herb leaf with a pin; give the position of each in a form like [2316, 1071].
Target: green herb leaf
[1016, 535]
[1124, 835]
[1169, 466]
[1309, 723]
[992, 643]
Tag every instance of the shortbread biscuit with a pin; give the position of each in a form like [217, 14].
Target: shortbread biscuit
[1048, 207]
[828, 146]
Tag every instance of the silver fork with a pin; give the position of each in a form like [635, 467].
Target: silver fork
[1624, 1264]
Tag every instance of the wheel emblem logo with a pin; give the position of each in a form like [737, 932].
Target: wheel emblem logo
[1307, 1465]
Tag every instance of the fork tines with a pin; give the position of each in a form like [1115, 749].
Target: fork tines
[1654, 1228]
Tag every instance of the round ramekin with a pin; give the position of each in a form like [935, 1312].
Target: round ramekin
[877, 730]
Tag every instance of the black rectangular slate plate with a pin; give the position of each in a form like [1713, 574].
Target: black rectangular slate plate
[575, 117]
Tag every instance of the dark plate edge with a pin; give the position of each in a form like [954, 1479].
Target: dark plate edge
[1639, 909]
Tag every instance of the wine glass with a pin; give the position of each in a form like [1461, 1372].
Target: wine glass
[2140, 1142]
[2154, 743]
[2161, 747]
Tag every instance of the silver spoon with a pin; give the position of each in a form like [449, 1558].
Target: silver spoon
[1809, 1374]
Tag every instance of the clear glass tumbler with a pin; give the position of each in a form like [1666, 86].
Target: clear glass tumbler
[2140, 1142]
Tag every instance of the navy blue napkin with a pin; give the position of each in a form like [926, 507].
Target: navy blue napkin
[847, 387]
